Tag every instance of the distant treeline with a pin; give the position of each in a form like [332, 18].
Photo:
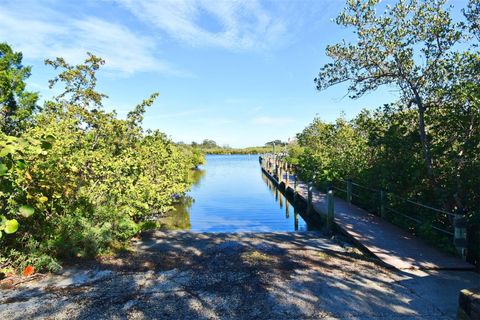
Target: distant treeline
[249, 150]
[208, 146]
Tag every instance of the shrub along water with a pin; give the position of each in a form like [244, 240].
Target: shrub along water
[77, 180]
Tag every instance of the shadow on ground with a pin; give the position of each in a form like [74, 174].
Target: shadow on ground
[182, 275]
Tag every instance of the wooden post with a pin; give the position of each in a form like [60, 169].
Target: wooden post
[349, 191]
[383, 212]
[287, 178]
[295, 188]
[460, 234]
[309, 197]
[330, 210]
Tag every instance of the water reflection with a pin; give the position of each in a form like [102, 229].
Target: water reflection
[232, 194]
[295, 219]
[301, 222]
[196, 176]
[179, 218]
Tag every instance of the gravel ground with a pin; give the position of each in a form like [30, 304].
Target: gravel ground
[182, 275]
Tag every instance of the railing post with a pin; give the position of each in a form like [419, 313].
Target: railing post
[330, 210]
[349, 191]
[460, 234]
[382, 204]
[309, 198]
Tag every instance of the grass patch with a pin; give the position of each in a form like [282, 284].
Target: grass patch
[256, 257]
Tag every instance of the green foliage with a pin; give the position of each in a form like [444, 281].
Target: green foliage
[295, 151]
[425, 146]
[331, 151]
[472, 14]
[82, 180]
[16, 104]
[18, 199]
[79, 81]
[196, 156]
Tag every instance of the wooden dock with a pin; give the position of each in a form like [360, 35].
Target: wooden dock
[392, 245]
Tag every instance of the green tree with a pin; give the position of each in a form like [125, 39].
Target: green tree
[17, 105]
[472, 13]
[208, 144]
[79, 80]
[404, 47]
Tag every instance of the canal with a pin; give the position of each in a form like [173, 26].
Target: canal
[231, 194]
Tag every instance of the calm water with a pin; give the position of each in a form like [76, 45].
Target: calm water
[232, 194]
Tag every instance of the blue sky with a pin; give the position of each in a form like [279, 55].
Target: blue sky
[238, 72]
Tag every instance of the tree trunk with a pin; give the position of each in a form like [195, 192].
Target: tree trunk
[425, 144]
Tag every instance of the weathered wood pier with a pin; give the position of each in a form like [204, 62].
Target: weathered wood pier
[392, 245]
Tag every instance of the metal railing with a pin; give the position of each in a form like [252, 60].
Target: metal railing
[421, 217]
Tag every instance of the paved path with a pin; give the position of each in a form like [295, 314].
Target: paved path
[392, 245]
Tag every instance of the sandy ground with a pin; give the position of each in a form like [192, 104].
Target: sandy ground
[182, 275]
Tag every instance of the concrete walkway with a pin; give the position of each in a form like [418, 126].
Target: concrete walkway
[389, 243]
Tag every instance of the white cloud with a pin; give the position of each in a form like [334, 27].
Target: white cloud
[236, 25]
[48, 34]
